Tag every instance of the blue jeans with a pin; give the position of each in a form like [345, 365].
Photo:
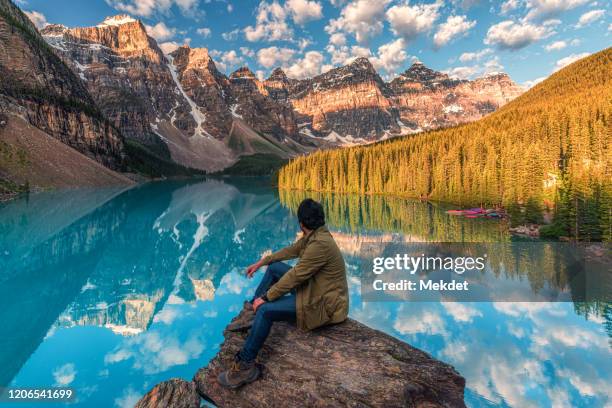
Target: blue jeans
[282, 309]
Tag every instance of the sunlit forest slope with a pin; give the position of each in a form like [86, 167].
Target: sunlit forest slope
[549, 146]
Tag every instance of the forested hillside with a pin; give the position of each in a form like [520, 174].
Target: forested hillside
[548, 147]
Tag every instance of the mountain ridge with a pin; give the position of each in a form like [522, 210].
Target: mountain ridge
[348, 112]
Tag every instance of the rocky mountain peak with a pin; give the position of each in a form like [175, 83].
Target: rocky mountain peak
[193, 58]
[359, 71]
[496, 76]
[278, 75]
[243, 73]
[122, 34]
[362, 64]
[54, 30]
[502, 81]
[420, 73]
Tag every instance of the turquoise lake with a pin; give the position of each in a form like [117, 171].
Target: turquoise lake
[111, 291]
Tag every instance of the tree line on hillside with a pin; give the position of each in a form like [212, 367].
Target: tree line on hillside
[548, 148]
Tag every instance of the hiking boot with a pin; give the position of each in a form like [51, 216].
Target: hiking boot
[245, 321]
[239, 374]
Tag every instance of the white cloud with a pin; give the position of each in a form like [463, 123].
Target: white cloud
[167, 315]
[465, 4]
[509, 5]
[37, 18]
[204, 32]
[169, 47]
[362, 18]
[426, 322]
[337, 39]
[563, 62]
[231, 35]
[344, 55]
[589, 17]
[455, 351]
[555, 46]
[306, 67]
[464, 72]
[152, 352]
[475, 56]
[339, 55]
[303, 11]
[359, 51]
[146, 8]
[461, 312]
[516, 309]
[492, 66]
[454, 27]
[391, 56]
[247, 52]
[233, 283]
[513, 36]
[326, 67]
[231, 59]
[230, 8]
[64, 375]
[273, 56]
[271, 24]
[533, 82]
[303, 43]
[160, 31]
[410, 21]
[543, 9]
[220, 65]
[128, 399]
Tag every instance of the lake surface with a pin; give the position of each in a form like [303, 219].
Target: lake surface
[111, 292]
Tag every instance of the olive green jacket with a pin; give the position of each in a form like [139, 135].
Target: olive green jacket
[319, 279]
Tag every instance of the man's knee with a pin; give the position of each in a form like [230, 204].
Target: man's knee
[276, 267]
[264, 311]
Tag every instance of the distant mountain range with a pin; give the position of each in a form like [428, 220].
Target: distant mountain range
[115, 97]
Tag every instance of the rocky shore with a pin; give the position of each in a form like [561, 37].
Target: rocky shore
[346, 365]
[529, 230]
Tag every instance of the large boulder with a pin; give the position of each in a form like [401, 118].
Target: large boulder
[346, 365]
[174, 393]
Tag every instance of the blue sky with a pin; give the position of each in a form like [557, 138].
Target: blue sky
[528, 39]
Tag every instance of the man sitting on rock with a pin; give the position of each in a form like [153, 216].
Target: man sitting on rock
[313, 293]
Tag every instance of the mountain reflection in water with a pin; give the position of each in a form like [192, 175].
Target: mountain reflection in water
[112, 291]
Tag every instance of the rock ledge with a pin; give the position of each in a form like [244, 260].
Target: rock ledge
[346, 365]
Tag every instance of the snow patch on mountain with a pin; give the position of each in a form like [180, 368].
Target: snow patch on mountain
[347, 140]
[196, 113]
[235, 114]
[117, 21]
[306, 132]
[452, 109]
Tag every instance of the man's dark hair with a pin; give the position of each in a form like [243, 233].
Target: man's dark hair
[310, 214]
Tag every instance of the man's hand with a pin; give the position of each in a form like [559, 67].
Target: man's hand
[258, 302]
[253, 268]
